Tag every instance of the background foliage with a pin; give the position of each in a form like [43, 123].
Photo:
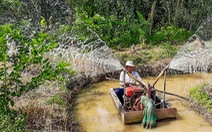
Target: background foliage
[31, 26]
[144, 19]
[119, 23]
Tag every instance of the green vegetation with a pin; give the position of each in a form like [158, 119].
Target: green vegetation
[56, 99]
[124, 33]
[170, 34]
[12, 122]
[199, 94]
[157, 27]
[148, 54]
[28, 54]
[118, 23]
[169, 50]
[124, 23]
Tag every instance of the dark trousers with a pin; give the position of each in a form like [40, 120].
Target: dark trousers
[120, 92]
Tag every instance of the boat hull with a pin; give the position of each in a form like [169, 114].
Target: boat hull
[137, 116]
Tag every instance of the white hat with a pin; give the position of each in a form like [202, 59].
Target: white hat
[129, 63]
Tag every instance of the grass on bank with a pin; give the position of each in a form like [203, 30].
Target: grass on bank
[43, 109]
[147, 54]
[202, 93]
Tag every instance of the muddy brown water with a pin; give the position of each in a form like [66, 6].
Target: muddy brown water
[97, 112]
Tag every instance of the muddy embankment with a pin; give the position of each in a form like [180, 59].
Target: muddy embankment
[202, 110]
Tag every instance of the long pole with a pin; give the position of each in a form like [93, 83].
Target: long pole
[124, 88]
[161, 73]
[172, 94]
[155, 90]
[164, 99]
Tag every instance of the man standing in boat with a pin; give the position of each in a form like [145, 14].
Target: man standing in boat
[129, 81]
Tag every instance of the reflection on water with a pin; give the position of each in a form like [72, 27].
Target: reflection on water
[97, 112]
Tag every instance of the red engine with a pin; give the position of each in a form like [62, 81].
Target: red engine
[133, 98]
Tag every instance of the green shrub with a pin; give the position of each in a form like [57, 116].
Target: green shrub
[56, 99]
[29, 47]
[169, 34]
[169, 50]
[12, 122]
[113, 31]
[198, 93]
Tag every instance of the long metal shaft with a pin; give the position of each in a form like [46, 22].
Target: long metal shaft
[164, 99]
[124, 88]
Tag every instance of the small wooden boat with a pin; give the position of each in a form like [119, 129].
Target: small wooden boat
[132, 114]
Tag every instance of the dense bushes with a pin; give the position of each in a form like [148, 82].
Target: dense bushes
[118, 22]
[12, 121]
[115, 32]
[170, 34]
[124, 33]
[198, 93]
[121, 24]
[23, 65]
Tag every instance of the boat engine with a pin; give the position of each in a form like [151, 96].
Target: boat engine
[133, 98]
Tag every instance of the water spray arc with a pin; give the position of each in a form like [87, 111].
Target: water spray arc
[196, 54]
[90, 57]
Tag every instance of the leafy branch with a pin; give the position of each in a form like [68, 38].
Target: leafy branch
[20, 55]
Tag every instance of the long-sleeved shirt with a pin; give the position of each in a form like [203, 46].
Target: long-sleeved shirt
[129, 79]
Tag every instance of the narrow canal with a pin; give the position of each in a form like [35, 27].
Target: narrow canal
[97, 112]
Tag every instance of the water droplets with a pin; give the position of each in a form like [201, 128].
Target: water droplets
[90, 57]
[192, 57]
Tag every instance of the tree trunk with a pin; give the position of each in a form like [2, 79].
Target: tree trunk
[152, 16]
